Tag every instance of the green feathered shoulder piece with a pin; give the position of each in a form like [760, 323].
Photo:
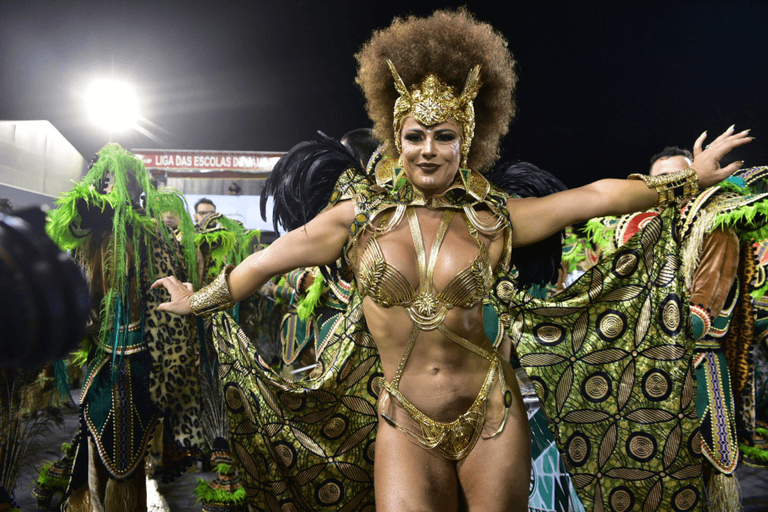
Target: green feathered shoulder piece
[312, 298]
[225, 241]
[600, 231]
[739, 203]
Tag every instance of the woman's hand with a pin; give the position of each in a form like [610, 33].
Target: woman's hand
[706, 161]
[180, 294]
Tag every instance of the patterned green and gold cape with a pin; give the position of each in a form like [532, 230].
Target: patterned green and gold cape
[611, 360]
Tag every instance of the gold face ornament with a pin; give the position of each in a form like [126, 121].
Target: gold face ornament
[433, 101]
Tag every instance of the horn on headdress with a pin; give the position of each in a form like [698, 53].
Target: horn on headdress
[399, 84]
[471, 86]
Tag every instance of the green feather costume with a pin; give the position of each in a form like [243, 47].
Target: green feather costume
[143, 364]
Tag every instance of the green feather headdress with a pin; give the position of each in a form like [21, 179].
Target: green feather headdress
[129, 222]
[170, 200]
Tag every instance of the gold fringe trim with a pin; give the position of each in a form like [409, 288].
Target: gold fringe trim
[78, 501]
[129, 495]
[723, 493]
[691, 246]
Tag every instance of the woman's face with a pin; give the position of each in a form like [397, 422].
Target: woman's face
[431, 154]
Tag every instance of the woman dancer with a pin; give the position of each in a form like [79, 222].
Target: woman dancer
[426, 236]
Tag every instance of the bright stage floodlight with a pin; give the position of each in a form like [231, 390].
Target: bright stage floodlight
[112, 105]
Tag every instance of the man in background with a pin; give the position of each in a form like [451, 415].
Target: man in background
[203, 208]
[672, 159]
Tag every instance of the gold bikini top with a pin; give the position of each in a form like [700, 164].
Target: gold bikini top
[387, 286]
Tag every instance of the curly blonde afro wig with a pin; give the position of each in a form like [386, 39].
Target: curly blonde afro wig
[448, 44]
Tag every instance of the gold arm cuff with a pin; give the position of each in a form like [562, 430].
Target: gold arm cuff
[214, 297]
[673, 186]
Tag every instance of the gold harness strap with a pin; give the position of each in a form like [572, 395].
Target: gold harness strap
[454, 440]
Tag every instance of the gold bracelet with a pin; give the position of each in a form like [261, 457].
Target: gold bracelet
[214, 297]
[673, 186]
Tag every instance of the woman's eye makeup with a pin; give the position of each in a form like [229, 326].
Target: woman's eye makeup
[442, 136]
[413, 137]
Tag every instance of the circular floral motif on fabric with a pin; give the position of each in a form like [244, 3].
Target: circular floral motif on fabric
[670, 318]
[656, 385]
[540, 387]
[685, 499]
[578, 449]
[335, 426]
[318, 371]
[621, 499]
[611, 325]
[505, 290]
[641, 446]
[292, 402]
[597, 387]
[285, 453]
[329, 492]
[369, 453]
[376, 384]
[694, 443]
[233, 396]
[625, 263]
[549, 334]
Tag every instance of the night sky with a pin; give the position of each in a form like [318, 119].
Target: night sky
[603, 85]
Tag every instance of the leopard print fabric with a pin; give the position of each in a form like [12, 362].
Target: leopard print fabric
[174, 380]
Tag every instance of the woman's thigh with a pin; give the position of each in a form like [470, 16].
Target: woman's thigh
[496, 475]
[409, 478]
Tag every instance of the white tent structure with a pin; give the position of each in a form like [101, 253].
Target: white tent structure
[36, 163]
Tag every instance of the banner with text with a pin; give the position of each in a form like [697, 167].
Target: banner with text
[191, 163]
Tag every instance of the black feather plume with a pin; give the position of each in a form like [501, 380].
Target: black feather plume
[303, 180]
[524, 179]
[538, 263]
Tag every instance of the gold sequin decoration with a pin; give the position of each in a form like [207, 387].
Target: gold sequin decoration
[329, 493]
[285, 454]
[621, 500]
[335, 427]
[234, 398]
[577, 449]
[626, 264]
[671, 315]
[656, 385]
[505, 290]
[596, 387]
[641, 447]
[686, 499]
[611, 325]
[549, 334]
[291, 401]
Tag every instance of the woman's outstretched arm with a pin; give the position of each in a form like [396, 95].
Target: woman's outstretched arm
[319, 242]
[535, 219]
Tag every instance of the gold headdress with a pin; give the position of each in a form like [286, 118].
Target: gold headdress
[433, 101]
